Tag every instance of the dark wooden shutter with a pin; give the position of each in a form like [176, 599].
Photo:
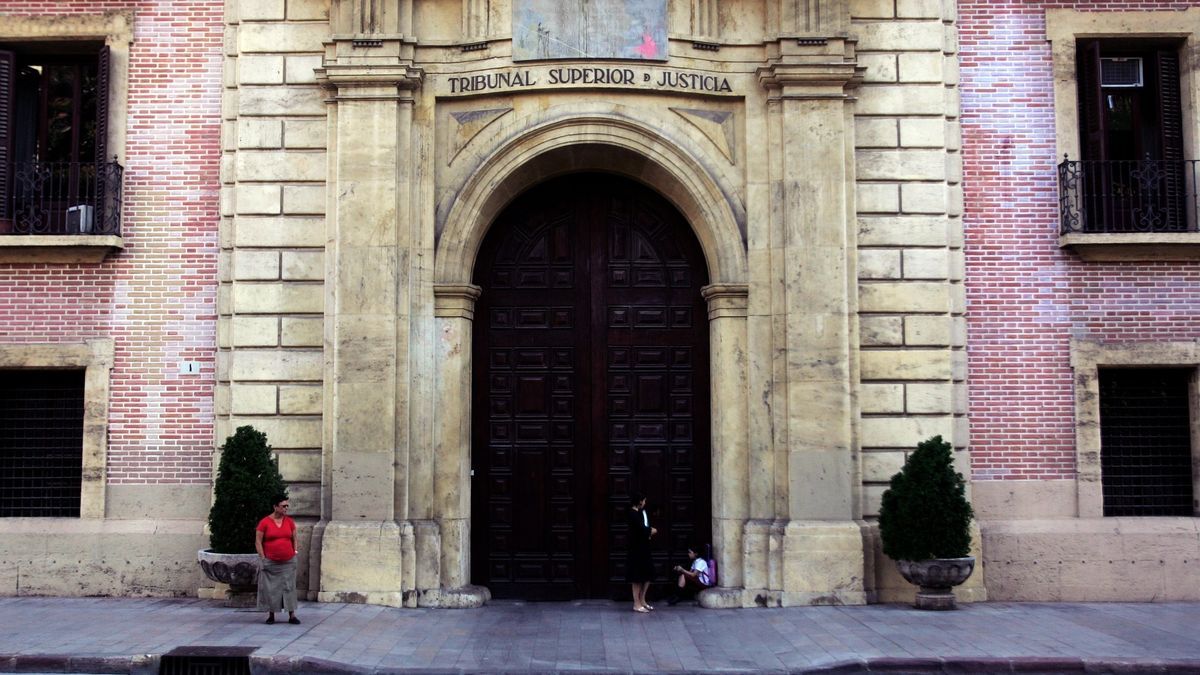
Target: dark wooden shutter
[1091, 103]
[1170, 108]
[103, 199]
[1093, 133]
[8, 73]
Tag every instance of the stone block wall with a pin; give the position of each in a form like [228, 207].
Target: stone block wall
[156, 301]
[911, 301]
[910, 298]
[270, 329]
[1027, 300]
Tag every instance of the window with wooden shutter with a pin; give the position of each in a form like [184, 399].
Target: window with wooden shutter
[1134, 176]
[1091, 102]
[8, 69]
[56, 178]
[104, 195]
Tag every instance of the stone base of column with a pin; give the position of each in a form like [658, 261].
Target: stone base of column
[720, 598]
[817, 562]
[737, 598]
[823, 563]
[362, 562]
[465, 597]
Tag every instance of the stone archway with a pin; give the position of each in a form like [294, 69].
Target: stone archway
[610, 143]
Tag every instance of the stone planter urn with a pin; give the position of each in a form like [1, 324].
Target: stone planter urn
[936, 579]
[238, 570]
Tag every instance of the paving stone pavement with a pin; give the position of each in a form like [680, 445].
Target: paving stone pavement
[127, 635]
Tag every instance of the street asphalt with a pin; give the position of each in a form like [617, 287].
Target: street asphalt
[131, 635]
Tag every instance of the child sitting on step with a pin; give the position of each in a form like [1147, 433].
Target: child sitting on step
[692, 580]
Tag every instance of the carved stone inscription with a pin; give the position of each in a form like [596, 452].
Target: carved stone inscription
[584, 76]
[594, 29]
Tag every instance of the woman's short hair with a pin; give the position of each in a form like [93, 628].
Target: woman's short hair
[636, 498]
[278, 498]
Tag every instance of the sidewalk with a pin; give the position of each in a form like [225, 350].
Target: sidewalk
[105, 635]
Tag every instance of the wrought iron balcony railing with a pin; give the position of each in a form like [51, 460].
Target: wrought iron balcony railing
[1148, 195]
[60, 198]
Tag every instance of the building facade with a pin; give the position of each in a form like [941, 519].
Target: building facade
[479, 291]
[483, 269]
[1079, 134]
[109, 173]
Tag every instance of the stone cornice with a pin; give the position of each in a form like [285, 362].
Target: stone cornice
[370, 81]
[810, 80]
[726, 300]
[456, 301]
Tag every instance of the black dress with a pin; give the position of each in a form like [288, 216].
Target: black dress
[638, 566]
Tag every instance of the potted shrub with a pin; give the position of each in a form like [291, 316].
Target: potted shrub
[924, 523]
[247, 479]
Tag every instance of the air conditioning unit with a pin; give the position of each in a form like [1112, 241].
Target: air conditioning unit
[80, 219]
[1124, 71]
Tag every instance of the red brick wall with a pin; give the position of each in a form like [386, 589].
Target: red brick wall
[1026, 298]
[157, 299]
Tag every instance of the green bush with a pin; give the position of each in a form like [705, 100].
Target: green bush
[247, 480]
[925, 513]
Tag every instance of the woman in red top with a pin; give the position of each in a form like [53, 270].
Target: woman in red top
[275, 539]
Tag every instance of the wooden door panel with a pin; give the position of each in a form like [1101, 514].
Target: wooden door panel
[590, 343]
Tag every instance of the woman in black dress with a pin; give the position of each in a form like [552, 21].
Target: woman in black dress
[639, 568]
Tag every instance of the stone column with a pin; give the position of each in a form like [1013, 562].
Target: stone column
[454, 311]
[727, 304]
[366, 333]
[823, 559]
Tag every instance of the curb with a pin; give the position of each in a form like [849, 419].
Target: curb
[147, 664]
[142, 664]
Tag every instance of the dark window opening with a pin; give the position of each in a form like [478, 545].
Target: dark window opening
[1129, 97]
[56, 175]
[41, 443]
[1133, 176]
[1146, 444]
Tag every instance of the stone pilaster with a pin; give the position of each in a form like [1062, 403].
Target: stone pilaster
[812, 17]
[727, 309]
[370, 20]
[367, 336]
[454, 311]
[813, 243]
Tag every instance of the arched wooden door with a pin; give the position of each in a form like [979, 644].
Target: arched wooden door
[590, 382]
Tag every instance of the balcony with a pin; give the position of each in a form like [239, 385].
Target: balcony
[58, 198]
[60, 211]
[1129, 210]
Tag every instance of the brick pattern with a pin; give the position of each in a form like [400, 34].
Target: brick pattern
[157, 299]
[1026, 297]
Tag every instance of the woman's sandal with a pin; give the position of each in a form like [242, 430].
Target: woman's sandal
[643, 610]
[270, 619]
[293, 620]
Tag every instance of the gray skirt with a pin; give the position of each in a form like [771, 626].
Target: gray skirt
[277, 586]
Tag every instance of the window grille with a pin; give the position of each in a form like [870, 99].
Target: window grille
[41, 443]
[1146, 453]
